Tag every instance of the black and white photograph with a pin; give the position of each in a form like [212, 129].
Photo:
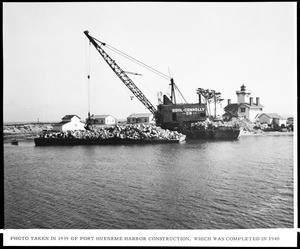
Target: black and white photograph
[150, 124]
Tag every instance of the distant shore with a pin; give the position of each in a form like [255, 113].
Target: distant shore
[23, 131]
[266, 133]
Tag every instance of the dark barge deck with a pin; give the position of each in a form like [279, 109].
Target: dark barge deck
[91, 141]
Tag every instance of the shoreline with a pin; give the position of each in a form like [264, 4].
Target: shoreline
[8, 137]
[29, 136]
[266, 133]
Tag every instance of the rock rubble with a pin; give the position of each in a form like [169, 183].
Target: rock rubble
[132, 131]
[204, 125]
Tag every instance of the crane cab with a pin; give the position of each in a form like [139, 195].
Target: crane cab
[176, 116]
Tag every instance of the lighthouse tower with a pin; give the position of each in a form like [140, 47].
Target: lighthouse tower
[242, 94]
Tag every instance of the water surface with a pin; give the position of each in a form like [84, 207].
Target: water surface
[247, 183]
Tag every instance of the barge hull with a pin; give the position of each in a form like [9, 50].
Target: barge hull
[212, 134]
[112, 141]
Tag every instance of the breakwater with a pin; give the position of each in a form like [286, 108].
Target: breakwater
[26, 128]
[23, 131]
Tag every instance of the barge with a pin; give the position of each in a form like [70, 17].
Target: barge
[217, 134]
[95, 141]
[111, 135]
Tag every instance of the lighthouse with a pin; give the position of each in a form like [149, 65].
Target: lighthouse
[242, 94]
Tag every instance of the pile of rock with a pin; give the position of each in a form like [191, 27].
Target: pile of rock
[207, 124]
[132, 131]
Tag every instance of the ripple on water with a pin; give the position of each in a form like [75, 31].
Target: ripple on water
[240, 184]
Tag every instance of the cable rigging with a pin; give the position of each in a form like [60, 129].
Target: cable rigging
[143, 65]
[88, 70]
[133, 59]
[122, 74]
[173, 87]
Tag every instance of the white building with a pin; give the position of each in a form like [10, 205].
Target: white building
[103, 120]
[244, 108]
[140, 118]
[272, 118]
[69, 122]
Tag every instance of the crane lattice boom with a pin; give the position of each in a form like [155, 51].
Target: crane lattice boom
[121, 74]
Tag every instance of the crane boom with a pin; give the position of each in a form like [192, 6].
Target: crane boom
[121, 74]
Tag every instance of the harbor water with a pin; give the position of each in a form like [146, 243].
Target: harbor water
[241, 184]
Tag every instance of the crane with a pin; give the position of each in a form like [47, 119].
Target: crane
[121, 73]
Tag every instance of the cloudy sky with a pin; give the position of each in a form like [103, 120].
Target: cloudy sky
[217, 46]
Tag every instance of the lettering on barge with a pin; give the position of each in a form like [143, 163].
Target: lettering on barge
[189, 111]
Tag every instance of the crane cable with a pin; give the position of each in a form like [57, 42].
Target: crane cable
[133, 59]
[88, 70]
[180, 92]
[139, 63]
[143, 65]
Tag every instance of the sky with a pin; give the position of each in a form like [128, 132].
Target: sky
[217, 46]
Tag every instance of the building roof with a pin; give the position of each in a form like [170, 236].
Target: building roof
[62, 123]
[101, 116]
[140, 115]
[231, 107]
[271, 115]
[234, 107]
[253, 106]
[70, 116]
[66, 122]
